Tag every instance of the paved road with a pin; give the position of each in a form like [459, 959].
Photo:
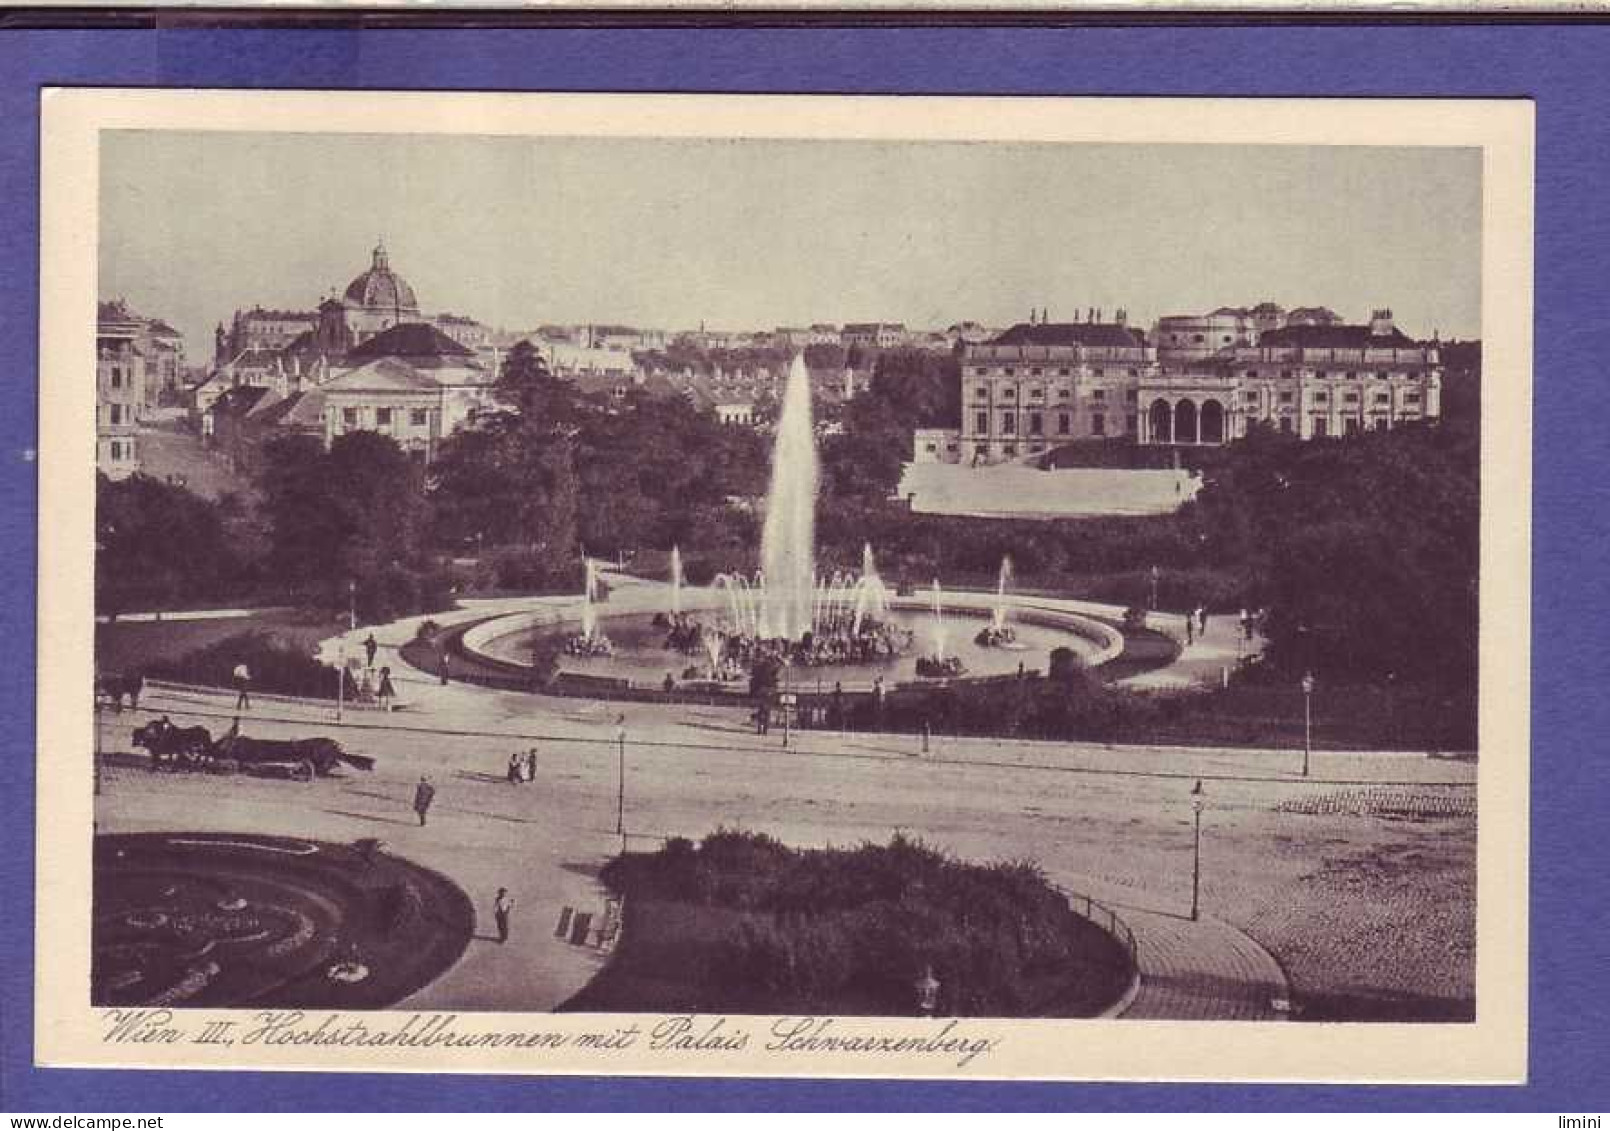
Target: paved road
[1358, 881]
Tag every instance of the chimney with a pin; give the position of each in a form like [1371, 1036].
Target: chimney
[1381, 325]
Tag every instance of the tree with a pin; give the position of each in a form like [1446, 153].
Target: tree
[354, 514]
[157, 545]
[545, 402]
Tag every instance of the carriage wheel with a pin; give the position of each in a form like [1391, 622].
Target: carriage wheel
[304, 770]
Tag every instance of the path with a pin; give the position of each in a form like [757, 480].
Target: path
[1201, 970]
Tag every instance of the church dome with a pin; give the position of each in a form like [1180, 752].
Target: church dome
[381, 288]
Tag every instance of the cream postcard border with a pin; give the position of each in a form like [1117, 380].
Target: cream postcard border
[67, 1031]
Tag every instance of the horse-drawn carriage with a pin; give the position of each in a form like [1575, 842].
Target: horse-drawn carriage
[194, 748]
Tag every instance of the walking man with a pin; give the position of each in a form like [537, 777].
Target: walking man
[1201, 622]
[387, 692]
[424, 794]
[370, 647]
[515, 774]
[1190, 629]
[243, 685]
[447, 665]
[531, 764]
[500, 911]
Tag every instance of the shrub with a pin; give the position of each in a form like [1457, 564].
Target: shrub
[826, 928]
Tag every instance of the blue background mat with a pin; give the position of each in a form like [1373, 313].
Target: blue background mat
[1563, 68]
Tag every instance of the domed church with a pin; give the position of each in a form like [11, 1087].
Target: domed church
[374, 302]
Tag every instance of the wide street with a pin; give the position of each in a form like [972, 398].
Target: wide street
[1350, 890]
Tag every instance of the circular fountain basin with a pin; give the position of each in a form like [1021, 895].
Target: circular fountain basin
[641, 656]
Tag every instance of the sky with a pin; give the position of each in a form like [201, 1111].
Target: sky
[755, 234]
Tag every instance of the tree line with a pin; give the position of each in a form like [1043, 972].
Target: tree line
[1364, 550]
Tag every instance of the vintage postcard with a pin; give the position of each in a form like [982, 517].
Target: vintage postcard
[787, 586]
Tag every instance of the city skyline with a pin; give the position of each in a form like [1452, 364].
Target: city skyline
[750, 235]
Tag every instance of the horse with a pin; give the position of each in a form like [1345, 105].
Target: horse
[169, 743]
[115, 687]
[308, 757]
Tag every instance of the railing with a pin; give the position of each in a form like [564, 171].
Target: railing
[199, 689]
[1095, 912]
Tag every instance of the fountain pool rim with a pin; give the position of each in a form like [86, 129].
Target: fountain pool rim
[1107, 639]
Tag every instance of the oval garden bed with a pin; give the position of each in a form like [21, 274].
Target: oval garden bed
[740, 923]
[213, 920]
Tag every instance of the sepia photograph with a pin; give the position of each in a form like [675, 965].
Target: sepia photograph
[719, 587]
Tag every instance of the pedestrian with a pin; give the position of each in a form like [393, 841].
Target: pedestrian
[370, 647]
[501, 907]
[447, 665]
[516, 776]
[763, 718]
[387, 691]
[424, 794]
[670, 683]
[878, 696]
[1201, 622]
[531, 764]
[838, 705]
[243, 685]
[1190, 628]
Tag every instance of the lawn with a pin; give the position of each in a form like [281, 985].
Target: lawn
[132, 646]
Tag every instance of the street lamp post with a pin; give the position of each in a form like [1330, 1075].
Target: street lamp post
[1308, 719]
[620, 770]
[786, 700]
[1196, 849]
[352, 606]
[340, 680]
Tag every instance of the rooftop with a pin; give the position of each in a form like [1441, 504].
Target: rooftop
[412, 340]
[1069, 334]
[1335, 337]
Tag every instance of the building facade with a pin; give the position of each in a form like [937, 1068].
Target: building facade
[1042, 384]
[119, 398]
[139, 366]
[873, 335]
[261, 328]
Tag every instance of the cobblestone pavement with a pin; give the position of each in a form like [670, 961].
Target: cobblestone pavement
[1201, 970]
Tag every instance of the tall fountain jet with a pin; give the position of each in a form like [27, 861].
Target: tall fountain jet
[589, 594]
[676, 579]
[788, 541]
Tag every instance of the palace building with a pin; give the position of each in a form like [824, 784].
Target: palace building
[1042, 383]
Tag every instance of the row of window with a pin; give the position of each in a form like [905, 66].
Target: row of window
[981, 392]
[1330, 375]
[1098, 423]
[417, 417]
[119, 450]
[1039, 371]
[1383, 398]
[1351, 425]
